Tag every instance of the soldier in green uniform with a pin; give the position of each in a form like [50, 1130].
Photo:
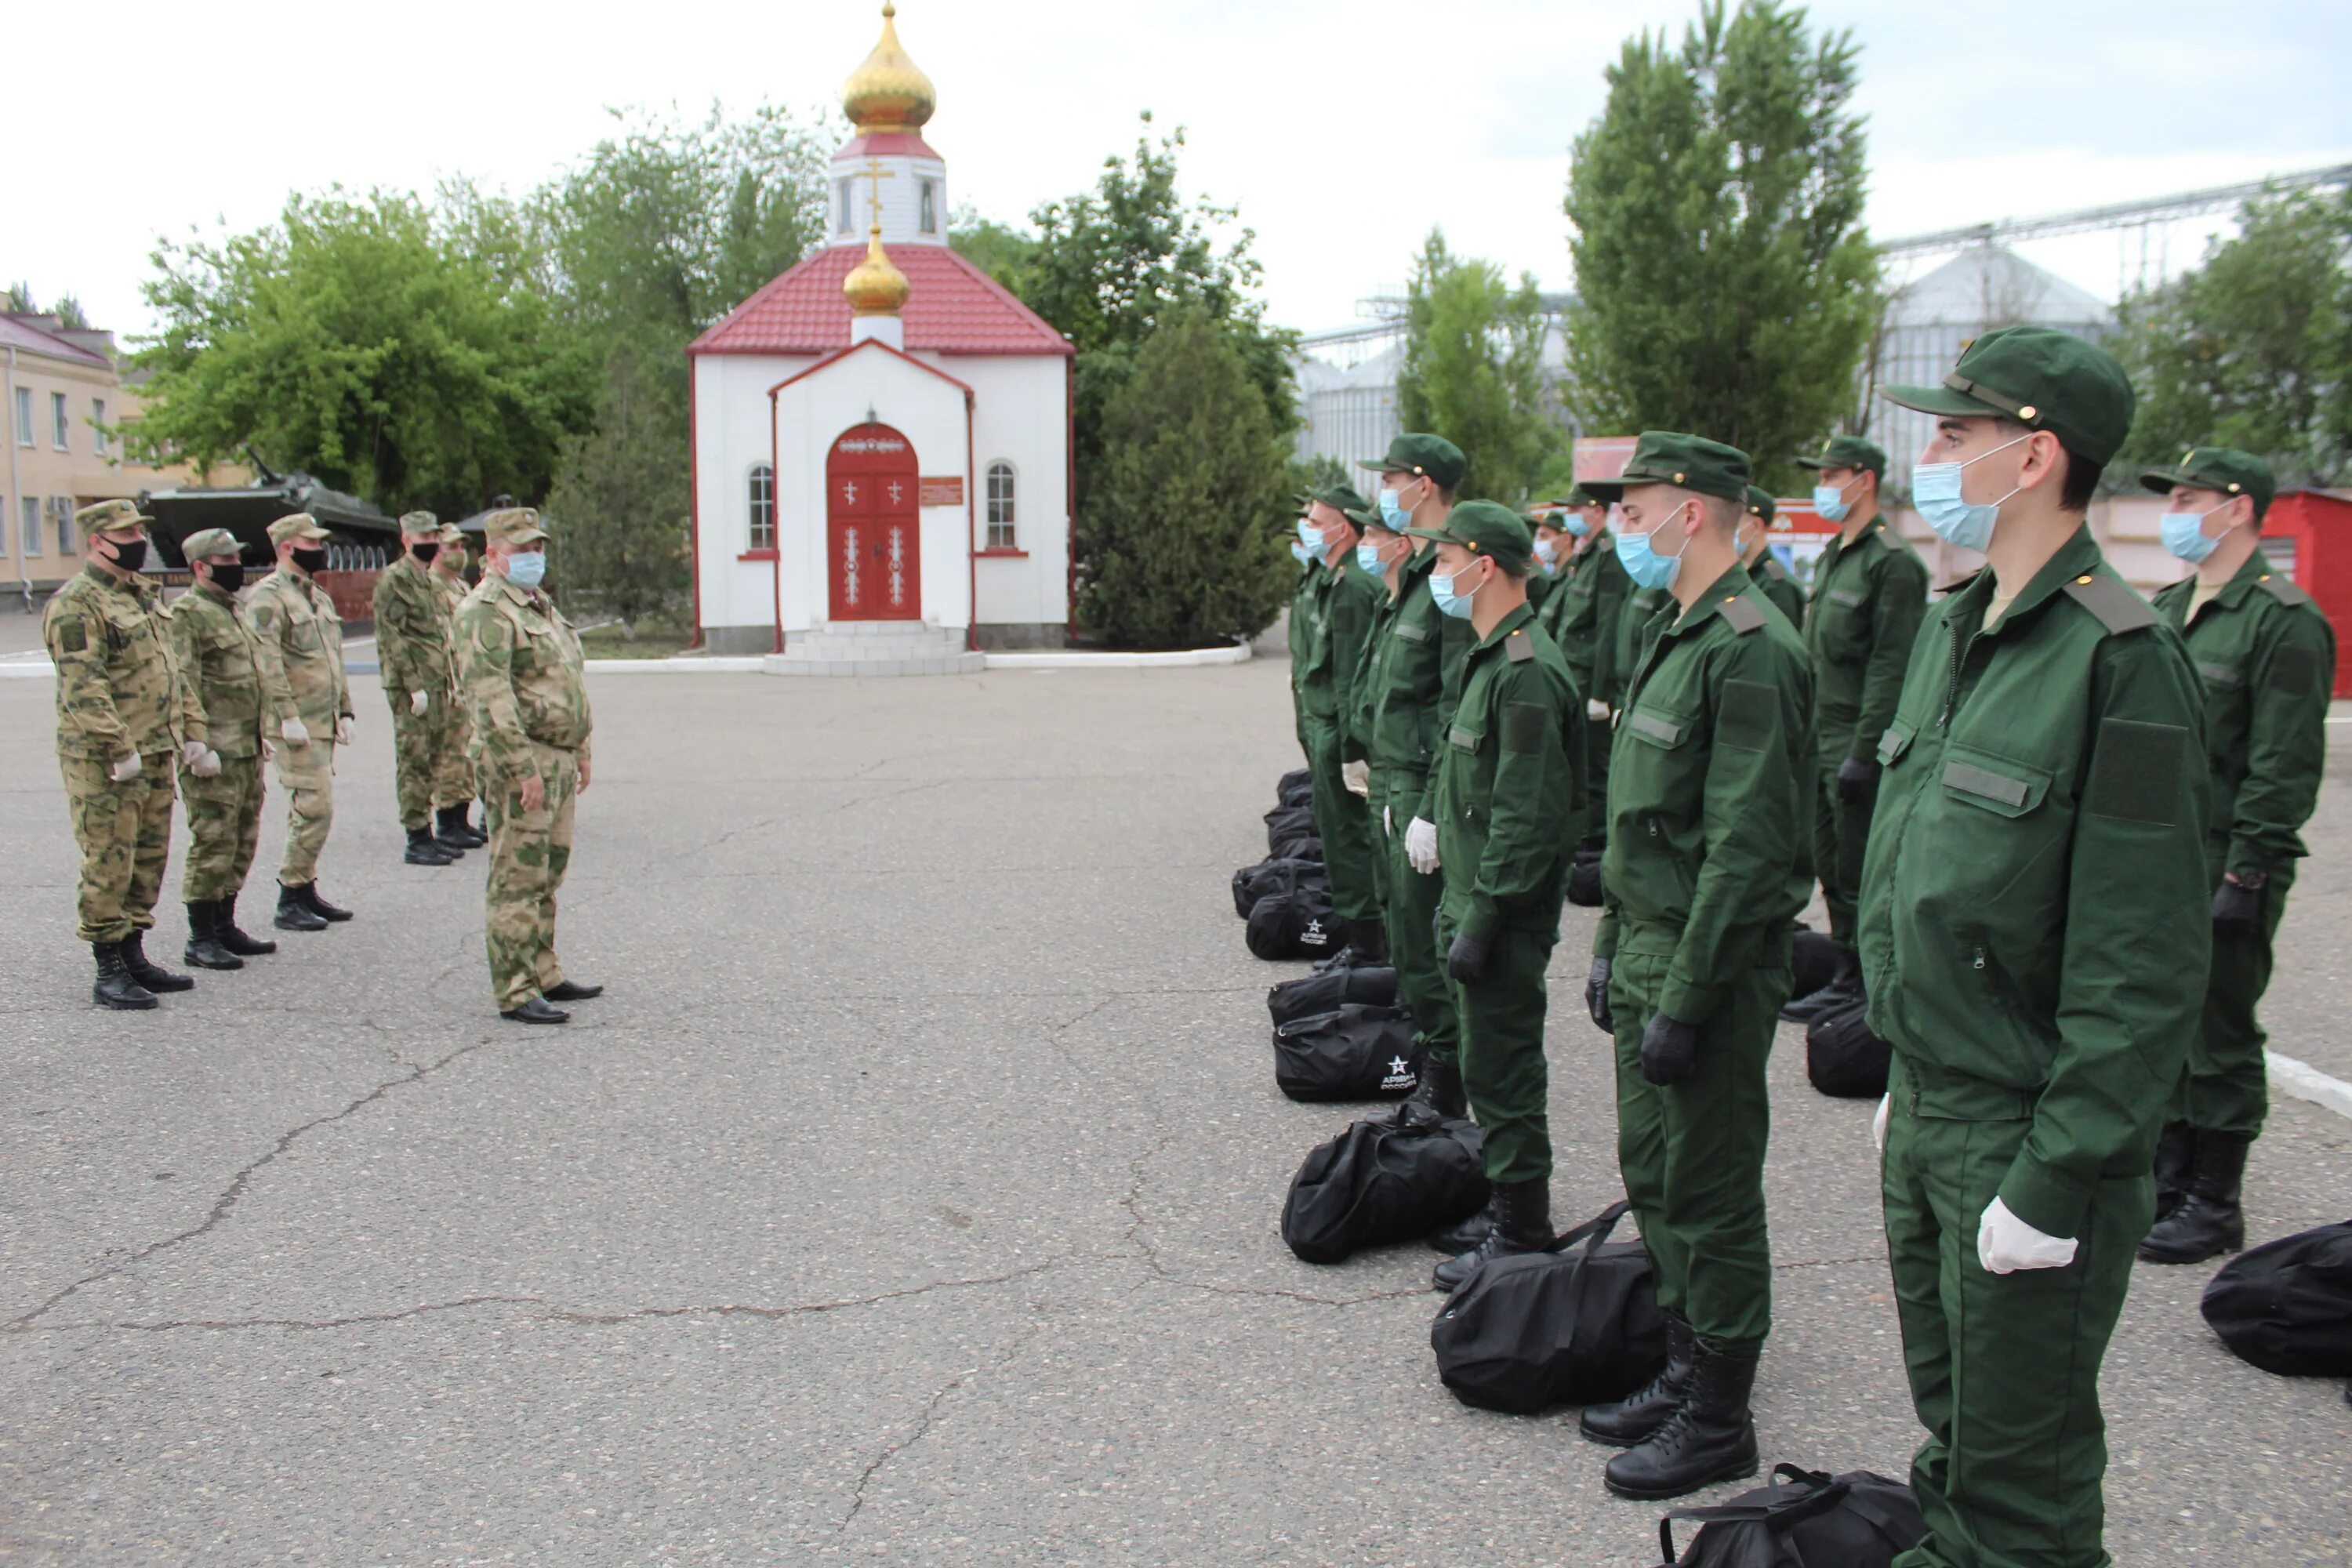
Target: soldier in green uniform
[1340, 602]
[1594, 591]
[1870, 589]
[2035, 926]
[124, 710]
[1690, 963]
[1504, 798]
[2267, 657]
[1764, 568]
[1381, 555]
[452, 770]
[1302, 616]
[219, 658]
[519, 661]
[300, 638]
[412, 645]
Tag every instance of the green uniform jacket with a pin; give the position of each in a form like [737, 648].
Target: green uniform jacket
[1340, 618]
[1413, 671]
[120, 690]
[520, 663]
[1358, 715]
[1591, 589]
[1302, 593]
[300, 639]
[1710, 782]
[2267, 656]
[1781, 589]
[220, 658]
[1867, 600]
[412, 630]
[1637, 618]
[1511, 776]
[2034, 902]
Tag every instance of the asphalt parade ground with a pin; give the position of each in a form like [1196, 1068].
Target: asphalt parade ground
[909, 1198]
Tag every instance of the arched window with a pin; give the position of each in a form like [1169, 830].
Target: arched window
[763, 507]
[840, 206]
[1001, 535]
[930, 214]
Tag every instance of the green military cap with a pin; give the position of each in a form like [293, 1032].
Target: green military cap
[513, 525]
[300, 525]
[2222, 468]
[1489, 528]
[1849, 452]
[208, 542]
[1580, 495]
[1687, 462]
[1364, 516]
[106, 514]
[1760, 503]
[2041, 378]
[1434, 455]
[416, 524]
[1341, 497]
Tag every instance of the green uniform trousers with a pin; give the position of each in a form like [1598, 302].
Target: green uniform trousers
[417, 746]
[306, 773]
[1691, 1153]
[223, 825]
[125, 834]
[1412, 912]
[1841, 833]
[453, 766]
[1343, 825]
[1377, 792]
[1503, 1068]
[1598, 733]
[530, 851]
[2225, 1084]
[2005, 1368]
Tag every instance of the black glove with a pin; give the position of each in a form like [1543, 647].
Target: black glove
[2237, 909]
[1857, 780]
[1465, 961]
[1596, 997]
[1669, 1049]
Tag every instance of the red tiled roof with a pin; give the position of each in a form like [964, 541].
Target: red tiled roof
[952, 308]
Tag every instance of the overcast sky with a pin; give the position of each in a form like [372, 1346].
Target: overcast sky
[1342, 129]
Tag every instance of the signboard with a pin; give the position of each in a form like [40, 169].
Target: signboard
[942, 491]
[1602, 456]
[1799, 535]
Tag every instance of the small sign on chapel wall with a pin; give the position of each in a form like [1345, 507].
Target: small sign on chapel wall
[946, 490]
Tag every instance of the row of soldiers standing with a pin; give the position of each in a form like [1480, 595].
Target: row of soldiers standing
[486, 695]
[2053, 825]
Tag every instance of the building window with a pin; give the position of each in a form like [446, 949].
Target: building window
[98, 426]
[24, 416]
[62, 509]
[1001, 534]
[841, 202]
[931, 206]
[28, 526]
[763, 507]
[57, 419]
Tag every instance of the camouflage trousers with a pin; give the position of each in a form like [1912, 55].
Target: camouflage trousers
[306, 773]
[223, 823]
[453, 769]
[418, 742]
[125, 834]
[530, 851]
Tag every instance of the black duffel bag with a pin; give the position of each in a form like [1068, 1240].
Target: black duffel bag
[1304, 846]
[1805, 1518]
[1294, 923]
[1390, 1178]
[1373, 985]
[2286, 1305]
[1295, 788]
[1577, 1324]
[1584, 879]
[1352, 1052]
[1251, 883]
[1843, 1058]
[1285, 821]
[1813, 962]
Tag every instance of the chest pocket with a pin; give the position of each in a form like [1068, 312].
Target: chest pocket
[1465, 739]
[1655, 729]
[1895, 743]
[1412, 633]
[2220, 676]
[1992, 783]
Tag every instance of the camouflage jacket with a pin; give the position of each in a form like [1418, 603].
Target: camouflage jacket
[118, 687]
[411, 630]
[221, 659]
[518, 661]
[302, 642]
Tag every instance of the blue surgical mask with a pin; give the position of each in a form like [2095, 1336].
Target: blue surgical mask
[1309, 535]
[1549, 554]
[1367, 560]
[1452, 603]
[1574, 522]
[525, 571]
[1936, 491]
[1396, 515]
[1646, 565]
[1300, 553]
[1831, 502]
[2185, 535]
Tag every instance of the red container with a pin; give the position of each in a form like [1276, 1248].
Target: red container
[2309, 532]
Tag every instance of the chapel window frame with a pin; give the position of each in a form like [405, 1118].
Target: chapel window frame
[1001, 499]
[760, 494]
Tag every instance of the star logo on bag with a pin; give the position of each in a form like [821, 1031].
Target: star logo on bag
[1396, 1066]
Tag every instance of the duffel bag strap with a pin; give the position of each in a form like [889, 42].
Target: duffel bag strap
[1598, 1228]
[1826, 1493]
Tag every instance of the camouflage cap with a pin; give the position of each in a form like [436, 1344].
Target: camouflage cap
[1487, 528]
[416, 524]
[1687, 462]
[2223, 469]
[206, 542]
[1411, 453]
[300, 525]
[110, 514]
[452, 535]
[1849, 452]
[1760, 503]
[2043, 379]
[513, 525]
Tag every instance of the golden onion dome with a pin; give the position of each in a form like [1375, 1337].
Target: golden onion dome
[874, 287]
[887, 93]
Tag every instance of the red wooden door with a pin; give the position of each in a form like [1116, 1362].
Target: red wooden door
[873, 548]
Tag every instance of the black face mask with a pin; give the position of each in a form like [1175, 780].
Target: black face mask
[425, 553]
[129, 556]
[310, 560]
[228, 579]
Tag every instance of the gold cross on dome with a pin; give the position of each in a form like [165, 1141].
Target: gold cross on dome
[876, 173]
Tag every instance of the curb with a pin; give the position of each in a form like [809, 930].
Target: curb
[2305, 1081]
[1182, 658]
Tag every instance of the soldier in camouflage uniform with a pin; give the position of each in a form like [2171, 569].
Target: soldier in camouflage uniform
[453, 770]
[219, 656]
[519, 662]
[412, 643]
[301, 638]
[123, 712]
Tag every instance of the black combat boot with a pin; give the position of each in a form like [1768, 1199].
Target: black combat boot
[1456, 1240]
[1637, 1416]
[450, 826]
[1709, 1437]
[2208, 1221]
[294, 911]
[536, 1011]
[2176, 1157]
[1522, 1224]
[115, 988]
[226, 932]
[205, 950]
[134, 960]
[1368, 939]
[320, 907]
[452, 847]
[1844, 989]
[573, 991]
[1439, 1093]
[424, 849]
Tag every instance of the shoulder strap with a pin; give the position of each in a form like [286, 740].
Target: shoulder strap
[1774, 570]
[2111, 600]
[1809, 1492]
[2280, 586]
[1598, 1228]
[1740, 616]
[1517, 649]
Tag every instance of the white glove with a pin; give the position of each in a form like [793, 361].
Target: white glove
[1421, 844]
[126, 768]
[294, 732]
[1878, 1123]
[343, 731]
[206, 766]
[417, 701]
[1597, 711]
[2006, 1243]
[1358, 777]
[191, 754]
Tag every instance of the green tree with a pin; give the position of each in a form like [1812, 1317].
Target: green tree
[18, 300]
[620, 498]
[1003, 252]
[1185, 551]
[1725, 284]
[2252, 348]
[1472, 369]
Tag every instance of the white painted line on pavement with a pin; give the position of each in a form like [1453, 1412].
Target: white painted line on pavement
[2305, 1081]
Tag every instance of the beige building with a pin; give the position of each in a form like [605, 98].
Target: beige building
[61, 399]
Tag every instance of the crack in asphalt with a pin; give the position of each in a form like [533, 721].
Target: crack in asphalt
[1829, 1262]
[808, 1308]
[928, 1419]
